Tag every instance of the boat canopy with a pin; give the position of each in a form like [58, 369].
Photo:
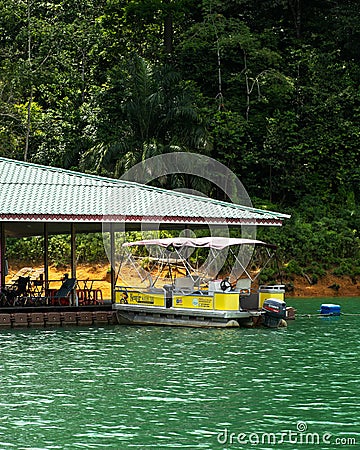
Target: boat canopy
[218, 243]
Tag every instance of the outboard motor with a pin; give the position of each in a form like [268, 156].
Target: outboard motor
[275, 313]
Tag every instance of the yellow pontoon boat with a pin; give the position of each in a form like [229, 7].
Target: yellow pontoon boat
[187, 301]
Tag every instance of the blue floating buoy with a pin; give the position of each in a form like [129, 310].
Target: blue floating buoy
[330, 309]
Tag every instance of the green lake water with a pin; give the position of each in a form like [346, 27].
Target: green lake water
[160, 387]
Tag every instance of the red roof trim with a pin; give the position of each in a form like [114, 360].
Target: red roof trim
[134, 219]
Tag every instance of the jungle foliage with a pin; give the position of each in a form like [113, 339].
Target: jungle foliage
[270, 88]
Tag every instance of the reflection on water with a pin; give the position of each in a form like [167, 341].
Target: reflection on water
[157, 387]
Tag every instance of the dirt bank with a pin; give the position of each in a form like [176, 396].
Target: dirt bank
[328, 286]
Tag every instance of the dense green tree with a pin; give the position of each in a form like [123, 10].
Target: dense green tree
[270, 88]
[148, 110]
[48, 63]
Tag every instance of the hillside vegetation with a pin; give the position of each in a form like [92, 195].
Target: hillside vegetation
[269, 88]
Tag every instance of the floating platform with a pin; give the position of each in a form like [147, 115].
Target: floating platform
[329, 309]
[57, 316]
[93, 315]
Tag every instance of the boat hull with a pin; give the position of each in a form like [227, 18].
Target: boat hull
[141, 315]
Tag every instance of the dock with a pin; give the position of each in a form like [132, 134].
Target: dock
[57, 316]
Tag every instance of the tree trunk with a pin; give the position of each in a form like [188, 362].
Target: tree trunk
[28, 126]
[168, 29]
[295, 6]
[28, 118]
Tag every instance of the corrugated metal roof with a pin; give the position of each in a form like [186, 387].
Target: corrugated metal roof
[30, 192]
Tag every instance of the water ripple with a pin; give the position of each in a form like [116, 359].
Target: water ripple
[134, 387]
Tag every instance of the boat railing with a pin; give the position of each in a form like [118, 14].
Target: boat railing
[144, 289]
[272, 287]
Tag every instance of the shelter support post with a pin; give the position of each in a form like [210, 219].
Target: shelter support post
[46, 257]
[73, 262]
[112, 262]
[2, 256]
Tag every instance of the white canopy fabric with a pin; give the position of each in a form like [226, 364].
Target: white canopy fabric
[218, 243]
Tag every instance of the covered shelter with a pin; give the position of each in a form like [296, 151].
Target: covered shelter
[41, 200]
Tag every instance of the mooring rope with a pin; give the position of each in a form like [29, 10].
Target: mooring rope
[326, 315]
